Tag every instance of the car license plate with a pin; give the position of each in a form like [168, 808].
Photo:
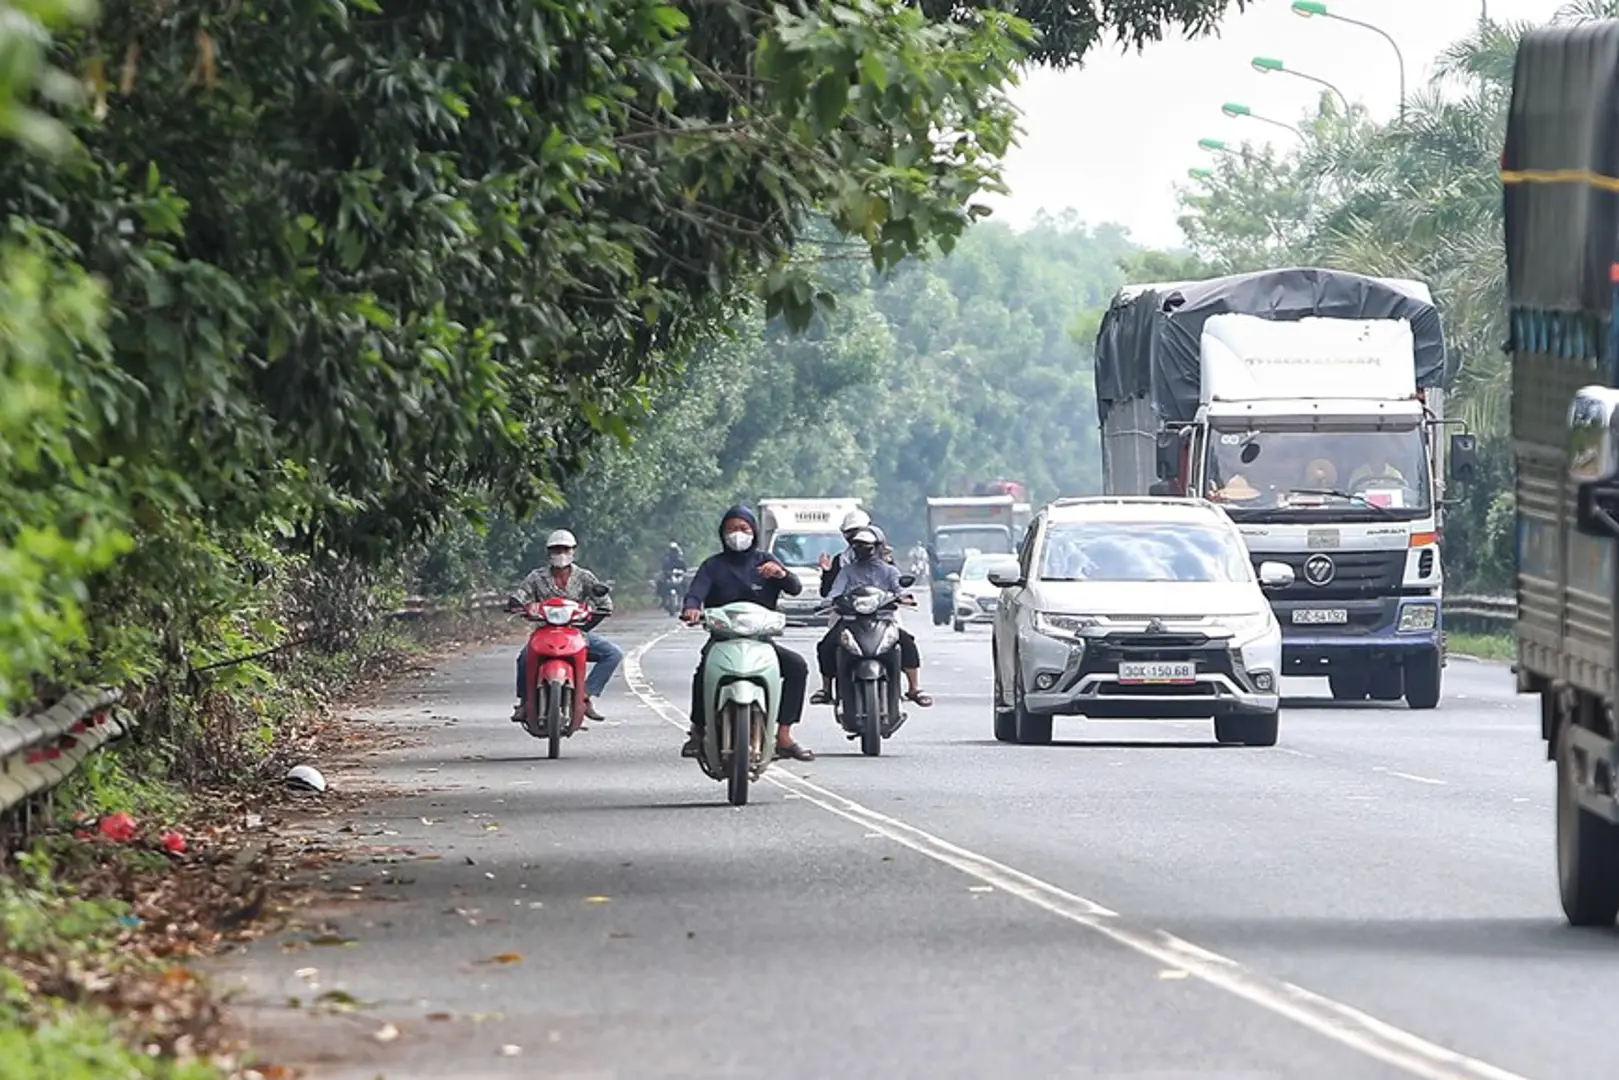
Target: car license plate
[1320, 616]
[1158, 671]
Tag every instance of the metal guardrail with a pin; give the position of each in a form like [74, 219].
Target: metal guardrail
[1488, 608]
[40, 750]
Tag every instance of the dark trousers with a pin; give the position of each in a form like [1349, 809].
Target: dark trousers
[794, 677]
[826, 651]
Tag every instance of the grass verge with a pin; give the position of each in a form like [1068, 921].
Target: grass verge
[137, 875]
[1484, 646]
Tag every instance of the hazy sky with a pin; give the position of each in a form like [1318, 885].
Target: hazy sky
[1114, 139]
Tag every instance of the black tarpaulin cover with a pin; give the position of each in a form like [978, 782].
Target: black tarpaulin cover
[1560, 219]
[1149, 340]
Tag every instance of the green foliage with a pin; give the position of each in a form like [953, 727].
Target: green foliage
[922, 381]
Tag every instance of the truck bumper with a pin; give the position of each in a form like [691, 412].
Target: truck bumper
[1394, 629]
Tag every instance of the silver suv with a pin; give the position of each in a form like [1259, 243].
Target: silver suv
[1138, 608]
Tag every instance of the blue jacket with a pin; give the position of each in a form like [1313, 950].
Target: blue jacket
[733, 576]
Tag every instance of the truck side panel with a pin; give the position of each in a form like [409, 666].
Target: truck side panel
[1565, 579]
[1130, 448]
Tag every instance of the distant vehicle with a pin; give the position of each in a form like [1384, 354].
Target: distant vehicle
[958, 526]
[798, 532]
[1132, 608]
[975, 596]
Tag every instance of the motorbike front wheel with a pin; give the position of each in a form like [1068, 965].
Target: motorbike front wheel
[738, 720]
[869, 717]
[552, 711]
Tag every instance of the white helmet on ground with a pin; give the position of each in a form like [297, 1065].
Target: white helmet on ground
[855, 519]
[561, 538]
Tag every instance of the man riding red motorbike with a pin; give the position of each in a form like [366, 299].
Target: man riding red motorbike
[562, 579]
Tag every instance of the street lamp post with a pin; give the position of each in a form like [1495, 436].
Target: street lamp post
[1233, 109]
[1310, 8]
[1267, 64]
[1200, 174]
[1217, 145]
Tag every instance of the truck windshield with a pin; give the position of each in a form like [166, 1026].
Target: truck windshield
[806, 549]
[957, 542]
[1309, 474]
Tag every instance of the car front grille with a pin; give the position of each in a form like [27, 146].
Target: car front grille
[1356, 575]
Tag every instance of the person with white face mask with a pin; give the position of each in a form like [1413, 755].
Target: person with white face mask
[561, 578]
[742, 572]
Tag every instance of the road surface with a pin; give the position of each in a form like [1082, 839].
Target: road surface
[1374, 897]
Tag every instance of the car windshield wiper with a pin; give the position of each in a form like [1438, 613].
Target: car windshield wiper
[1343, 495]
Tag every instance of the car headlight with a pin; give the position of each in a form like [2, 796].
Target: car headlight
[1248, 628]
[1418, 617]
[1065, 627]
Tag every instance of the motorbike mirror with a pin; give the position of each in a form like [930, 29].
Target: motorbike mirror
[907, 580]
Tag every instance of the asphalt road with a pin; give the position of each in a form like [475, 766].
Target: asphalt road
[1375, 897]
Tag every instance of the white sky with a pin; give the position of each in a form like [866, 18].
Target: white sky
[1113, 139]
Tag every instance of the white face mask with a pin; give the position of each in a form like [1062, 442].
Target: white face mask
[739, 541]
[561, 560]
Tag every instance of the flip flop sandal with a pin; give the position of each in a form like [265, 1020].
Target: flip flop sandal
[921, 697]
[794, 752]
[820, 697]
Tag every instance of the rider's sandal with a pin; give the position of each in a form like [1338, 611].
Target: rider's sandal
[820, 697]
[921, 697]
[795, 751]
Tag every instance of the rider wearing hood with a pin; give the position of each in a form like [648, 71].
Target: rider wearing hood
[742, 572]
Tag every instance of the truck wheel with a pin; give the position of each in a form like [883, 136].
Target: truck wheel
[1248, 729]
[1387, 684]
[1348, 684]
[1032, 728]
[1587, 849]
[1424, 677]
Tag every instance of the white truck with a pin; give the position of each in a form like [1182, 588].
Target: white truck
[1308, 403]
[799, 532]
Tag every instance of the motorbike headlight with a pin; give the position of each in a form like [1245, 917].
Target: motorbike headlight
[1248, 628]
[846, 639]
[558, 614]
[865, 605]
[1066, 627]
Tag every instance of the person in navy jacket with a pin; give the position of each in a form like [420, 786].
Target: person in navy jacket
[742, 572]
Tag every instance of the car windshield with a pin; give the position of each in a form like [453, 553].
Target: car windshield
[979, 567]
[1143, 551]
[1259, 474]
[806, 549]
[959, 542]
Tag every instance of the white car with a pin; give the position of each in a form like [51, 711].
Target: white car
[976, 597]
[1137, 608]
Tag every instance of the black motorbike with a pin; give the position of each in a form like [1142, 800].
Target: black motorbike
[867, 694]
[672, 590]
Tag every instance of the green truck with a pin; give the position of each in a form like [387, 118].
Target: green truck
[1560, 178]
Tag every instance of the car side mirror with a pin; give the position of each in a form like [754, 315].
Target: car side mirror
[1275, 575]
[1463, 465]
[1169, 454]
[907, 580]
[1002, 580]
[1593, 460]
[952, 577]
[601, 588]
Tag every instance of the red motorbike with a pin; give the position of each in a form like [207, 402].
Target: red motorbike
[554, 669]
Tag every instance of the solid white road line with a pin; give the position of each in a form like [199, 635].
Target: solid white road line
[1341, 1023]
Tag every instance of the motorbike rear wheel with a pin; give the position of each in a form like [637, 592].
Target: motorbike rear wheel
[738, 720]
[868, 717]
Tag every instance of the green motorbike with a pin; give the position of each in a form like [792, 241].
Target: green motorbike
[741, 695]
